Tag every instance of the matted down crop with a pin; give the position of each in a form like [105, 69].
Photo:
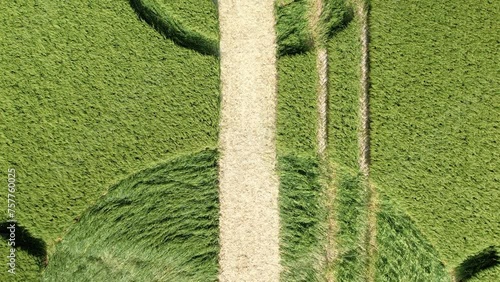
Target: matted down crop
[160, 224]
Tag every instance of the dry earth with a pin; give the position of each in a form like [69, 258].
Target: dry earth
[249, 214]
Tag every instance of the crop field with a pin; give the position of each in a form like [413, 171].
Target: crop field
[396, 234]
[296, 130]
[435, 115]
[110, 113]
[388, 85]
[90, 94]
[177, 241]
[302, 212]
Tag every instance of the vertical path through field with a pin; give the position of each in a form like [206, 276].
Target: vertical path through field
[320, 43]
[322, 67]
[364, 140]
[248, 182]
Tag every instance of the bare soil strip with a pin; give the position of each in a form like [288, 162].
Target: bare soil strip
[316, 9]
[364, 141]
[322, 66]
[364, 134]
[249, 214]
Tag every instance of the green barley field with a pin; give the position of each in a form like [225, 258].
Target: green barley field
[435, 114]
[91, 94]
[109, 114]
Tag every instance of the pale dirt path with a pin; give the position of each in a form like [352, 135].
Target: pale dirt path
[364, 134]
[322, 66]
[249, 214]
[316, 10]
[364, 140]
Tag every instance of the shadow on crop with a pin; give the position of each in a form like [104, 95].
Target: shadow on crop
[34, 246]
[474, 264]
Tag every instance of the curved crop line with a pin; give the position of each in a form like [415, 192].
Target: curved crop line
[148, 170]
[184, 173]
[293, 36]
[172, 28]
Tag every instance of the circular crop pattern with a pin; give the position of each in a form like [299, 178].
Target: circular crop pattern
[160, 224]
[195, 25]
[189, 24]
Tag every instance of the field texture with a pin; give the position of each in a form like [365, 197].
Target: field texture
[344, 54]
[302, 208]
[297, 114]
[105, 94]
[403, 253]
[350, 208]
[303, 217]
[302, 198]
[89, 94]
[160, 224]
[435, 116]
[293, 34]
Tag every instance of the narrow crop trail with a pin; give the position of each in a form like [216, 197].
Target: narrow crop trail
[322, 68]
[364, 140]
[316, 11]
[249, 213]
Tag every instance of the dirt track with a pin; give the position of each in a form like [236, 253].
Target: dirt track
[249, 214]
[364, 139]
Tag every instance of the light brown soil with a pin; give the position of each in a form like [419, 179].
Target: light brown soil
[322, 66]
[249, 214]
